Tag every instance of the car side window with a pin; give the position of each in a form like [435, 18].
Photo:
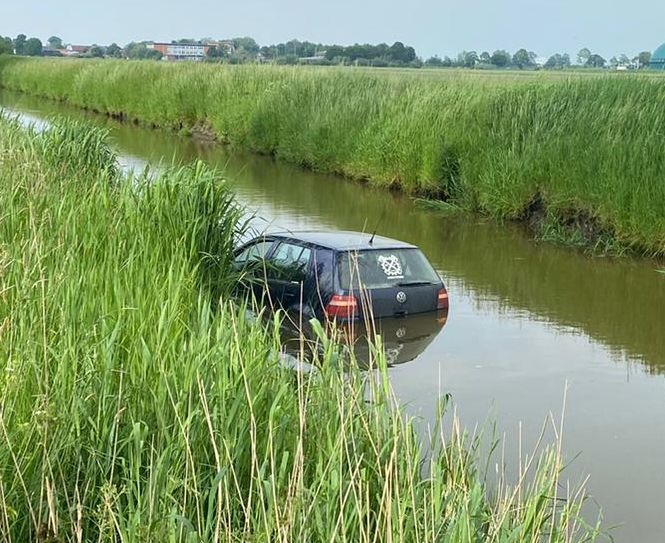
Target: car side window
[254, 252]
[289, 262]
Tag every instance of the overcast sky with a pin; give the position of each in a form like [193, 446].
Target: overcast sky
[442, 27]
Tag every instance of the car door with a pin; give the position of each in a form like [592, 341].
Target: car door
[287, 273]
[251, 260]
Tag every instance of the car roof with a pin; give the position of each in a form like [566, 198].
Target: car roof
[342, 240]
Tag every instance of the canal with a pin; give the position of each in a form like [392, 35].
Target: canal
[529, 322]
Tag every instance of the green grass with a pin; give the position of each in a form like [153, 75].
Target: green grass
[489, 142]
[137, 403]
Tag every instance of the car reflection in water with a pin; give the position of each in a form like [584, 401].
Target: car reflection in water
[403, 338]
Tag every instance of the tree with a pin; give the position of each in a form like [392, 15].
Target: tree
[19, 44]
[643, 59]
[410, 55]
[6, 46]
[583, 56]
[333, 52]
[485, 58]
[55, 42]
[33, 47]
[434, 62]
[268, 52]
[468, 59]
[216, 53]
[558, 62]
[309, 49]
[153, 54]
[246, 46]
[522, 59]
[501, 58]
[132, 49]
[398, 52]
[114, 50]
[140, 51]
[595, 61]
[95, 51]
[382, 50]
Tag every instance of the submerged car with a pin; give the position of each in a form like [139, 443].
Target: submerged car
[341, 276]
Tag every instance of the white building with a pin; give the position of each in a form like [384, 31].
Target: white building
[181, 51]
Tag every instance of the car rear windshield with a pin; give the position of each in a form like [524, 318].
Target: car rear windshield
[383, 268]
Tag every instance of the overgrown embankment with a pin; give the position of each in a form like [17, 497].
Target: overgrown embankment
[580, 154]
[137, 404]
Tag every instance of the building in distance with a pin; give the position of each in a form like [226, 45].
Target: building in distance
[658, 59]
[75, 50]
[181, 51]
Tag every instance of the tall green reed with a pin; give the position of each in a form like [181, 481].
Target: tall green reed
[587, 145]
[138, 402]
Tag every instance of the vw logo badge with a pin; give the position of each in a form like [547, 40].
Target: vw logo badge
[401, 297]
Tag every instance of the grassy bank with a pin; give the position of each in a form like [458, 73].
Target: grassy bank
[581, 152]
[138, 404]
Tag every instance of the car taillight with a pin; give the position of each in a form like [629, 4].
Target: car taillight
[442, 299]
[344, 307]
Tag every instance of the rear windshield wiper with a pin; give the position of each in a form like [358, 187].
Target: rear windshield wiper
[414, 283]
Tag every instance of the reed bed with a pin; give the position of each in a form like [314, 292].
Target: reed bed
[580, 152]
[138, 403]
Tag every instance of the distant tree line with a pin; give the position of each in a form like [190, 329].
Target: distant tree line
[238, 51]
[586, 58]
[247, 50]
[298, 52]
[395, 54]
[524, 59]
[6, 46]
[21, 45]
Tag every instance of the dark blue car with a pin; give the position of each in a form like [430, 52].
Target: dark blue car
[345, 276]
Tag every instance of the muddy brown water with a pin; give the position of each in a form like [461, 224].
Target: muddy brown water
[527, 322]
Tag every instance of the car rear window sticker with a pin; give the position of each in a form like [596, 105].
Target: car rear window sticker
[391, 266]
